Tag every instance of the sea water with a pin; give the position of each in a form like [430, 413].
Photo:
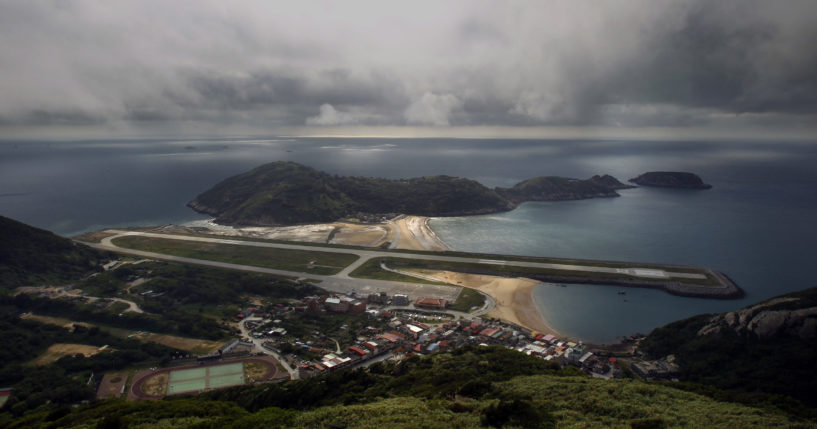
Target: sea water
[757, 224]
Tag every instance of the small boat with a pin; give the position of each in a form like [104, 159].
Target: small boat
[621, 292]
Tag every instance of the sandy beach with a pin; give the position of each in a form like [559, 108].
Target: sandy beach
[513, 296]
[415, 234]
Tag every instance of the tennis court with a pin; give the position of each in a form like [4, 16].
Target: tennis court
[185, 386]
[226, 380]
[212, 377]
[188, 374]
[226, 369]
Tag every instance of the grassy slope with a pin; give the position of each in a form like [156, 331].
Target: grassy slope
[466, 388]
[563, 402]
[31, 255]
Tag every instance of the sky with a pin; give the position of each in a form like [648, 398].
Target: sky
[649, 69]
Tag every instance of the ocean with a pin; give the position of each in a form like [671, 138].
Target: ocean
[757, 223]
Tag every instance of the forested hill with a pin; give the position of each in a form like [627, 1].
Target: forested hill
[30, 255]
[282, 193]
[554, 188]
[470, 387]
[768, 347]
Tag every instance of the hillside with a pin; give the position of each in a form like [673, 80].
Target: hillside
[553, 188]
[670, 179]
[281, 193]
[769, 347]
[31, 255]
[470, 387]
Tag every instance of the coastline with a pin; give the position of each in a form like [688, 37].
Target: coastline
[414, 233]
[514, 297]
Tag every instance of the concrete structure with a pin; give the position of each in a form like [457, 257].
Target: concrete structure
[435, 303]
[400, 299]
[336, 305]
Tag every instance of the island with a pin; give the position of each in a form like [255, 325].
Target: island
[671, 179]
[288, 193]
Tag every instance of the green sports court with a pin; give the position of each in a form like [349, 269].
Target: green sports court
[209, 377]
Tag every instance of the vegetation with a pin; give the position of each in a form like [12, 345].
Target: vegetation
[64, 381]
[372, 270]
[184, 300]
[468, 299]
[316, 262]
[671, 179]
[177, 287]
[749, 367]
[561, 188]
[596, 263]
[469, 387]
[30, 256]
[290, 193]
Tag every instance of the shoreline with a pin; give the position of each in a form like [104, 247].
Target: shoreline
[514, 297]
[414, 233]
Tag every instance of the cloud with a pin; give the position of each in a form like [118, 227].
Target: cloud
[330, 116]
[639, 63]
[432, 109]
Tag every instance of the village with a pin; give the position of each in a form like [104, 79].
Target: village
[396, 328]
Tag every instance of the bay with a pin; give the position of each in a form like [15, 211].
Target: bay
[756, 224]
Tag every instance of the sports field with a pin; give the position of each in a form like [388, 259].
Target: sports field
[210, 377]
[154, 384]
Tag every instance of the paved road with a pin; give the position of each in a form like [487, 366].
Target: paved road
[257, 347]
[365, 255]
[132, 306]
[340, 283]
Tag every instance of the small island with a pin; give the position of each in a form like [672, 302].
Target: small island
[671, 179]
[287, 193]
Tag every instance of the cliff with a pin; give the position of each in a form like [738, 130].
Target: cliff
[282, 193]
[670, 179]
[768, 347]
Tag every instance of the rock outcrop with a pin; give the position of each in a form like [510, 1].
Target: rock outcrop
[670, 179]
[766, 321]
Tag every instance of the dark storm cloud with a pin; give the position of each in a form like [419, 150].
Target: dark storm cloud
[627, 64]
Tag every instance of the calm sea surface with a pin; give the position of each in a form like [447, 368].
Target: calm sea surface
[758, 224]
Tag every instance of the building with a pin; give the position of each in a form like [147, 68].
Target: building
[357, 307]
[433, 303]
[336, 305]
[400, 299]
[358, 351]
[377, 298]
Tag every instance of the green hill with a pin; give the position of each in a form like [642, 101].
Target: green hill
[766, 348]
[470, 387]
[31, 256]
[671, 179]
[288, 193]
[561, 188]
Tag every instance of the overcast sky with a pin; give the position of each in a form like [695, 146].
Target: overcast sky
[469, 68]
